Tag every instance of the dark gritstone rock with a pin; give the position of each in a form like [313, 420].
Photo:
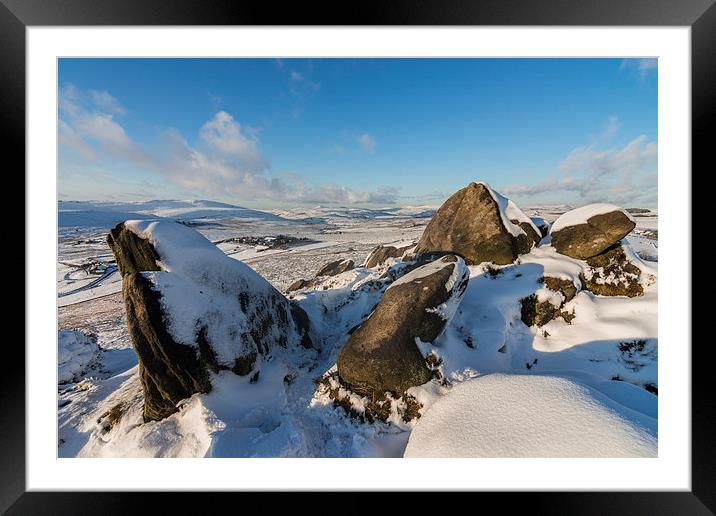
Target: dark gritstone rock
[299, 284]
[612, 274]
[538, 313]
[380, 254]
[585, 240]
[527, 228]
[381, 354]
[171, 370]
[469, 224]
[132, 253]
[564, 286]
[337, 267]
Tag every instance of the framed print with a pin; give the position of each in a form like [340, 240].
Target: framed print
[417, 253]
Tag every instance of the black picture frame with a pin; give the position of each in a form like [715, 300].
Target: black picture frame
[700, 15]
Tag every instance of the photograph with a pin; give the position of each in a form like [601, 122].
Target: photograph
[357, 257]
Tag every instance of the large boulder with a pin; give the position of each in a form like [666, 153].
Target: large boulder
[476, 224]
[382, 253]
[590, 230]
[193, 311]
[381, 354]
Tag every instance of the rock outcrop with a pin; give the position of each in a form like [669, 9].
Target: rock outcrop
[475, 223]
[381, 355]
[193, 311]
[590, 230]
[380, 254]
[336, 267]
[539, 309]
[613, 273]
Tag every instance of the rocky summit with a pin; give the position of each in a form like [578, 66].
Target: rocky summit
[475, 223]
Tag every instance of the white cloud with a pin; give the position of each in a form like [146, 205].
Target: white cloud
[643, 67]
[611, 127]
[224, 135]
[617, 175]
[367, 142]
[106, 102]
[227, 161]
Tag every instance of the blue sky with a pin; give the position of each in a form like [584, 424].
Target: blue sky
[366, 132]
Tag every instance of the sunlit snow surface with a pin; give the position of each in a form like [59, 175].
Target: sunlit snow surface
[485, 348]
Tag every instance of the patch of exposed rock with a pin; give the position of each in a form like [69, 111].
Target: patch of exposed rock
[382, 253]
[538, 312]
[612, 273]
[335, 268]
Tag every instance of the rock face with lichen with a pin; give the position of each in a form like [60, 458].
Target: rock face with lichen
[193, 311]
[381, 355]
[538, 312]
[613, 273]
[475, 223]
[590, 230]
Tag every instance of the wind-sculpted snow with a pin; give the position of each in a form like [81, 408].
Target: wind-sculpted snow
[521, 415]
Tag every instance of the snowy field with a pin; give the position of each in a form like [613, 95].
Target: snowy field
[600, 368]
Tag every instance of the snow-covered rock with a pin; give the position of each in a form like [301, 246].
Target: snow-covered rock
[77, 355]
[196, 312]
[587, 231]
[383, 253]
[477, 223]
[382, 355]
[512, 415]
[618, 271]
[335, 267]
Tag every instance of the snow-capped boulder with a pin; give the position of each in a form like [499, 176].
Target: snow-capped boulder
[615, 272]
[77, 355]
[382, 253]
[193, 311]
[476, 224]
[590, 230]
[513, 415]
[381, 354]
[336, 267]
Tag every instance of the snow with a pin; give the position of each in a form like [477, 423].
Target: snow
[583, 214]
[109, 214]
[459, 270]
[77, 354]
[610, 337]
[519, 415]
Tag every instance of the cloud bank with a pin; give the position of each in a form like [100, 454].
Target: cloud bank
[226, 161]
[617, 175]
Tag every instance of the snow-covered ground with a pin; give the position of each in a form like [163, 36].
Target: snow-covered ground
[605, 357]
